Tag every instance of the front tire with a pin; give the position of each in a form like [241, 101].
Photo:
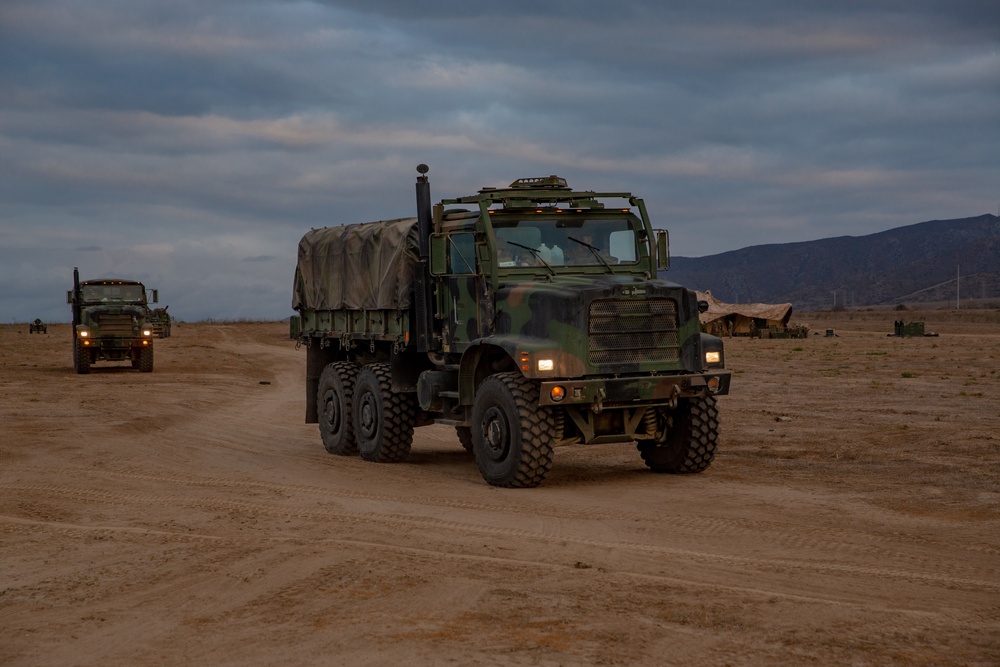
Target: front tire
[512, 436]
[464, 434]
[81, 358]
[146, 359]
[687, 437]
[335, 399]
[383, 420]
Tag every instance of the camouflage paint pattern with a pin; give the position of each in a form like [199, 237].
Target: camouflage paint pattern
[115, 328]
[615, 337]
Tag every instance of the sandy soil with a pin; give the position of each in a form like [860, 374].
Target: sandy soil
[189, 516]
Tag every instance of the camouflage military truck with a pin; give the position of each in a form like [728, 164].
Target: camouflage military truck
[527, 317]
[109, 323]
[159, 319]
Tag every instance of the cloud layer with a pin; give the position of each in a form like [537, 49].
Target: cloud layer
[191, 144]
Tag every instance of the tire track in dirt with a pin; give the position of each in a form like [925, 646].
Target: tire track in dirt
[828, 541]
[64, 527]
[535, 537]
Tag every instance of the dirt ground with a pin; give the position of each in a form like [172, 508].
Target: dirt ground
[189, 516]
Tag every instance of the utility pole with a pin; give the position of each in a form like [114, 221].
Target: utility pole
[958, 285]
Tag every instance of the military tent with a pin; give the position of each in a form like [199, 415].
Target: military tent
[742, 319]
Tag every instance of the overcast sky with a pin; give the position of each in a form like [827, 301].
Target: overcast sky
[190, 143]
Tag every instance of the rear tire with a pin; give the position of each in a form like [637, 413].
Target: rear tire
[383, 420]
[687, 437]
[334, 399]
[512, 435]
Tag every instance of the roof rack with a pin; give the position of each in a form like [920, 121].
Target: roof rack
[536, 192]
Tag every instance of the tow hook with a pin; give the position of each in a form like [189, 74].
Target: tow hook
[598, 405]
[674, 393]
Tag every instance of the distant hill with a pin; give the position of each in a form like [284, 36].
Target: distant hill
[913, 264]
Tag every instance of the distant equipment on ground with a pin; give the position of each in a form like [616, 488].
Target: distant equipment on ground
[38, 327]
[778, 331]
[909, 329]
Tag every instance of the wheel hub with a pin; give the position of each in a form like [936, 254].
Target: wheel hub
[496, 434]
[331, 411]
[368, 421]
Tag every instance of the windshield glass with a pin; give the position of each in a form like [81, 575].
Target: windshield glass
[567, 241]
[108, 293]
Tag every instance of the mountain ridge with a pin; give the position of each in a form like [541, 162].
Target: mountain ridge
[916, 263]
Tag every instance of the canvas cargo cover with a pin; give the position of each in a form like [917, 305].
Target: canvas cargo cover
[366, 266]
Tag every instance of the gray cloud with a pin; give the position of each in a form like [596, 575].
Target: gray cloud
[192, 143]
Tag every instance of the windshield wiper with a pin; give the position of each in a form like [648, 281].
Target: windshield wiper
[597, 253]
[535, 253]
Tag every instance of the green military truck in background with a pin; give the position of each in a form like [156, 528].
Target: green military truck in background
[160, 320]
[527, 317]
[110, 323]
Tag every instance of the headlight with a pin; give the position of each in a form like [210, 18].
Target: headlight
[546, 365]
[713, 357]
[147, 332]
[84, 334]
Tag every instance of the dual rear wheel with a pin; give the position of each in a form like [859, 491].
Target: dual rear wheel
[360, 414]
[511, 437]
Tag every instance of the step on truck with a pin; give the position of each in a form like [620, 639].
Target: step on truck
[110, 323]
[527, 317]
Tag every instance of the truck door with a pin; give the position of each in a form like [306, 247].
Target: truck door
[463, 305]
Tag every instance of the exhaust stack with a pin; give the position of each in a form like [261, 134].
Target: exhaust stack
[421, 279]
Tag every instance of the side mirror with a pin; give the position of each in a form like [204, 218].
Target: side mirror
[69, 296]
[156, 296]
[662, 249]
[703, 306]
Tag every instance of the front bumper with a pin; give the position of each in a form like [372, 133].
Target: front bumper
[634, 391]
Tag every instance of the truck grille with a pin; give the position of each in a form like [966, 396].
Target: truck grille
[633, 332]
[114, 324]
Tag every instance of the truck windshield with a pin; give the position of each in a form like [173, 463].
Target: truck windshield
[567, 241]
[111, 293]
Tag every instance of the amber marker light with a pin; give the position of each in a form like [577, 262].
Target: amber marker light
[713, 384]
[524, 361]
[557, 393]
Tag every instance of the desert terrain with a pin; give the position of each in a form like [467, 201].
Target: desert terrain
[190, 517]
